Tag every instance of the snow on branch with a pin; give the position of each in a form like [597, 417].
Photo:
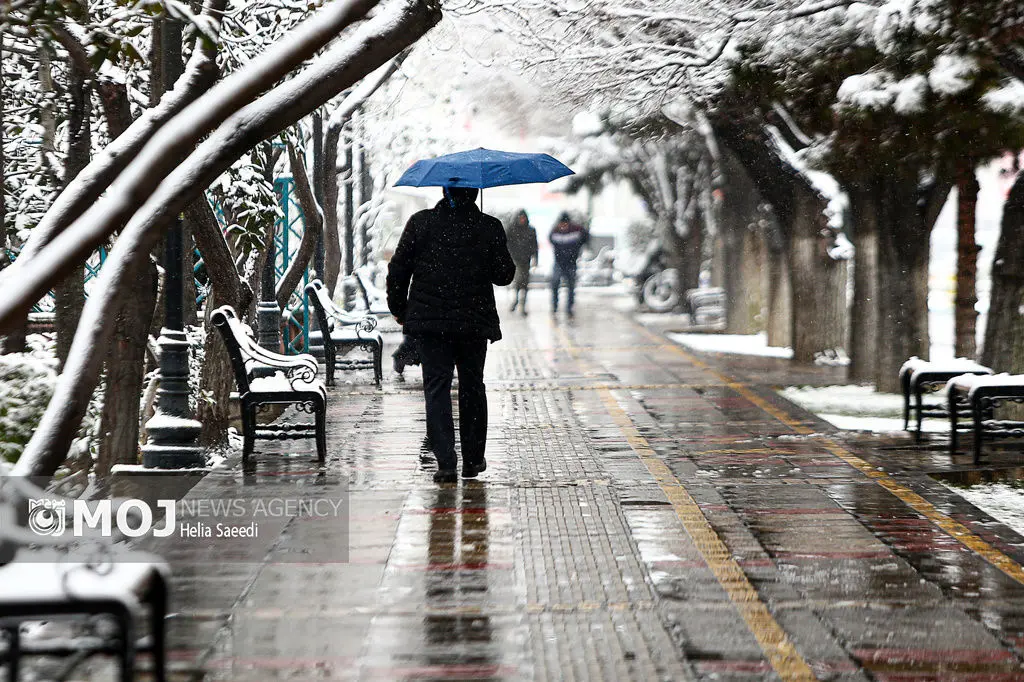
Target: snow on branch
[26, 284]
[103, 169]
[380, 38]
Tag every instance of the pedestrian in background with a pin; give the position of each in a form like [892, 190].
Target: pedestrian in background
[522, 244]
[567, 239]
[440, 288]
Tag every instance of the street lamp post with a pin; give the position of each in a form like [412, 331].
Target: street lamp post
[172, 434]
[268, 314]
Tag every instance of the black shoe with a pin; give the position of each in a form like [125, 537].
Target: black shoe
[523, 313]
[446, 476]
[473, 470]
[512, 308]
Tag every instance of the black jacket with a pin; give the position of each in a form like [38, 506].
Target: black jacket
[522, 244]
[453, 257]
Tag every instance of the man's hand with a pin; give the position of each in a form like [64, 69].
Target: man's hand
[400, 321]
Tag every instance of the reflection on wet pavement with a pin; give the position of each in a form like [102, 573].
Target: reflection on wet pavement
[646, 514]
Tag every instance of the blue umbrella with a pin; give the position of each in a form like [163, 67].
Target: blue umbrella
[482, 168]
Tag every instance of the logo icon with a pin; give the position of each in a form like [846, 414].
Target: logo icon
[46, 517]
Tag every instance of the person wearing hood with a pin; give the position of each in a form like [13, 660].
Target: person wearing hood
[522, 244]
[440, 288]
[567, 239]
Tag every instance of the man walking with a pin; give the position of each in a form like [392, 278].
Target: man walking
[522, 244]
[440, 288]
[567, 239]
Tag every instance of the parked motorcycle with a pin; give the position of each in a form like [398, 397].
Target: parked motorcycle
[657, 284]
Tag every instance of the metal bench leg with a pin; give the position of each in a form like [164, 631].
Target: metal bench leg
[14, 653]
[330, 357]
[979, 423]
[321, 432]
[378, 361]
[158, 627]
[919, 406]
[951, 398]
[905, 385]
[126, 652]
[248, 430]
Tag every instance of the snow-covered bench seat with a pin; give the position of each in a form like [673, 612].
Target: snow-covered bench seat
[52, 584]
[918, 377]
[977, 397]
[266, 378]
[345, 332]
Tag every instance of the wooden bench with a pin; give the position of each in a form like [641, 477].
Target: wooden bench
[342, 332]
[46, 578]
[266, 378]
[918, 377]
[978, 396]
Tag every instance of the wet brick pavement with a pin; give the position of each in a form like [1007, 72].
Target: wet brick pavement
[647, 514]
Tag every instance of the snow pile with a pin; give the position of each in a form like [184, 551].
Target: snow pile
[952, 74]
[855, 408]
[740, 344]
[910, 94]
[1008, 99]
[26, 385]
[870, 90]
[1002, 501]
[854, 401]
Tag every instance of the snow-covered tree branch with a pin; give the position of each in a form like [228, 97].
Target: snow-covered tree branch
[386, 33]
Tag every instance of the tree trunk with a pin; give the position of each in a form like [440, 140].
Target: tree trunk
[126, 369]
[965, 312]
[332, 238]
[817, 306]
[863, 338]
[216, 379]
[742, 259]
[70, 293]
[780, 299]
[4, 259]
[339, 119]
[312, 227]
[1003, 349]
[902, 289]
[358, 190]
[14, 341]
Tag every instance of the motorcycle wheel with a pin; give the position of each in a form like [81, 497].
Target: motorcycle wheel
[661, 291]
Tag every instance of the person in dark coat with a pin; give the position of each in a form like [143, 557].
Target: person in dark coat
[522, 244]
[567, 239]
[440, 287]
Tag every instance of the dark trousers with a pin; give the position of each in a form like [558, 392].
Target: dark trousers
[440, 356]
[567, 274]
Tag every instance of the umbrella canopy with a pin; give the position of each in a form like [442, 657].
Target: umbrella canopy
[481, 168]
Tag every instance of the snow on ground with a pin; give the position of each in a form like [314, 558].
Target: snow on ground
[1001, 500]
[856, 408]
[741, 344]
[852, 401]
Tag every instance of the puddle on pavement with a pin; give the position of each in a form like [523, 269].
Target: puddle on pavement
[997, 492]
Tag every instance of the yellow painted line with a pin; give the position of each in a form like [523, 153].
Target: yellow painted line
[774, 642]
[950, 526]
[781, 653]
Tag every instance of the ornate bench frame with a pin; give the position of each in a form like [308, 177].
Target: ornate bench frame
[303, 390]
[342, 331]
